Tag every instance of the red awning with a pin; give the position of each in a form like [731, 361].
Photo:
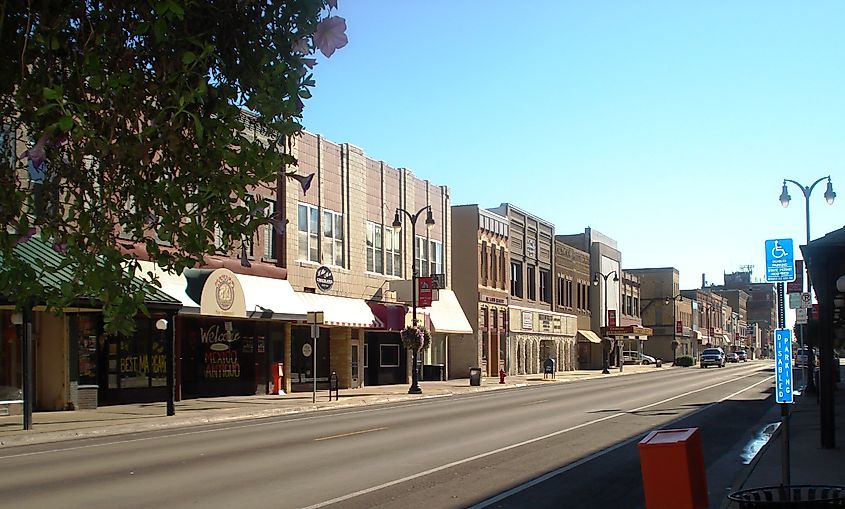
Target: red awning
[391, 315]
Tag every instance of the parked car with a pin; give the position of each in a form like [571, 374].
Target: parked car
[801, 357]
[731, 357]
[712, 357]
[743, 356]
[632, 357]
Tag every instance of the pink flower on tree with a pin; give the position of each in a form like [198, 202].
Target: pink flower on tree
[332, 4]
[330, 35]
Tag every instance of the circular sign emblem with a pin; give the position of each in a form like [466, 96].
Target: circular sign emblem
[224, 292]
[306, 349]
[324, 278]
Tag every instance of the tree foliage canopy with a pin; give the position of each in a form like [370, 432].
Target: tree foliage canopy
[130, 127]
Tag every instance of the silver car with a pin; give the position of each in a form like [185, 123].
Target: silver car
[712, 357]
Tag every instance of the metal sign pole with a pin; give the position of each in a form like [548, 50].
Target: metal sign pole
[314, 328]
[315, 319]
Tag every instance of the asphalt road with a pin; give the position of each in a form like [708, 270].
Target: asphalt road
[562, 445]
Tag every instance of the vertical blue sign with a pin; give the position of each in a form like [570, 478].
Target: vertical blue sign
[780, 261]
[783, 366]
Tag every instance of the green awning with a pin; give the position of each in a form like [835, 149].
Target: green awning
[38, 252]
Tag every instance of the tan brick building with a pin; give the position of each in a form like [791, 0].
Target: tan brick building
[343, 225]
[480, 263]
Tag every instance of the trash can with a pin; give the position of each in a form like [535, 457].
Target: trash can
[475, 376]
[794, 496]
[434, 372]
[673, 471]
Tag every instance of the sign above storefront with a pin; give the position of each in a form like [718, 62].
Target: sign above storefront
[222, 295]
[324, 278]
[629, 330]
[527, 320]
[493, 300]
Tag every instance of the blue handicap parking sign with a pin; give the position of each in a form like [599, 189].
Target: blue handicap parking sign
[780, 261]
[783, 366]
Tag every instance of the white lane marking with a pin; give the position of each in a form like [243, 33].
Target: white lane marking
[533, 440]
[272, 420]
[576, 464]
[349, 434]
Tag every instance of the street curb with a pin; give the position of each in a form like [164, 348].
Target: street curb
[740, 481]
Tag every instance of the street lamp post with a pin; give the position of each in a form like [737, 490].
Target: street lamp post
[606, 361]
[397, 225]
[161, 326]
[674, 300]
[829, 196]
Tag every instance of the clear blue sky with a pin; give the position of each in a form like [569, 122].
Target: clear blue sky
[668, 126]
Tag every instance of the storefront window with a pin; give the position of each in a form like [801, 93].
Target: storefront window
[10, 360]
[142, 358]
[86, 333]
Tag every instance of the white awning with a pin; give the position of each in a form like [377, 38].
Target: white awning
[276, 296]
[171, 284]
[264, 295]
[340, 311]
[589, 335]
[447, 316]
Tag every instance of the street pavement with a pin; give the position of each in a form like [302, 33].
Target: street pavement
[810, 464]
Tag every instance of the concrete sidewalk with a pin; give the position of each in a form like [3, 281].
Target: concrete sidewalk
[809, 463]
[136, 418]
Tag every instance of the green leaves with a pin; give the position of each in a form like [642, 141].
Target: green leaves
[151, 93]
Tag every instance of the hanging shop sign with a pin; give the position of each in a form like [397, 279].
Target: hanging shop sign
[324, 278]
[222, 295]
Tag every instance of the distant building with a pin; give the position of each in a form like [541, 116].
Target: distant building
[535, 332]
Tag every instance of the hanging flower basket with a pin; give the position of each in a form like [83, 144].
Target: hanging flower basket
[416, 338]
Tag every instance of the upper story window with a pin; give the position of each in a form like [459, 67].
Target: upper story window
[218, 239]
[502, 261]
[392, 252]
[435, 257]
[375, 248]
[531, 282]
[422, 256]
[332, 238]
[546, 286]
[484, 260]
[307, 218]
[269, 237]
[516, 279]
[494, 264]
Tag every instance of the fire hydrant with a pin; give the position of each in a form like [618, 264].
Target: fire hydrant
[502, 376]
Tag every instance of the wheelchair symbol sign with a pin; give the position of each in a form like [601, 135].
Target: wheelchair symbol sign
[780, 261]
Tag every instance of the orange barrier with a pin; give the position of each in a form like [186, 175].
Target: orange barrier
[672, 464]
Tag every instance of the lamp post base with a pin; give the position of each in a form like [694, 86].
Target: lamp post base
[415, 389]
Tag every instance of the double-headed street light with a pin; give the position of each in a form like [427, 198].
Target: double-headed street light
[829, 196]
[606, 361]
[397, 226]
[674, 300]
